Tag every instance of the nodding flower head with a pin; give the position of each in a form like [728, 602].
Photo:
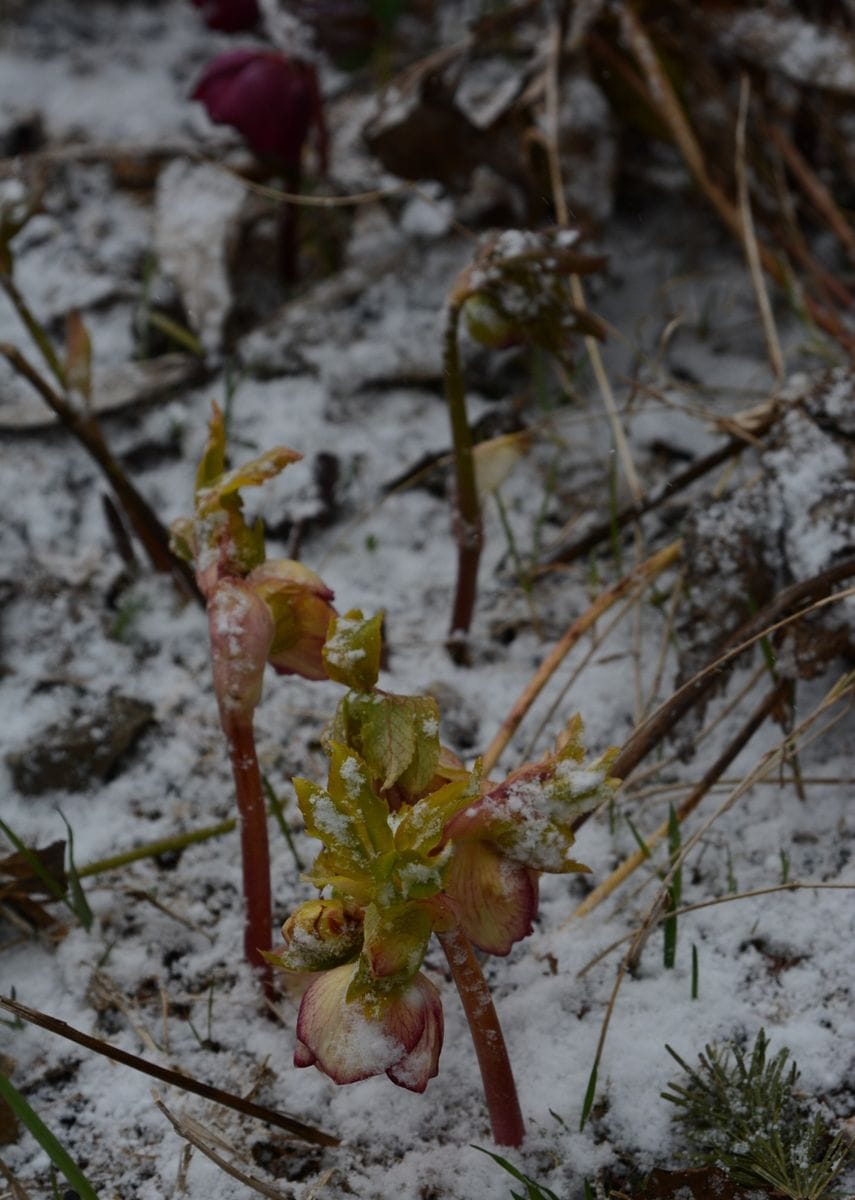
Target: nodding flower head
[271, 99]
[353, 1037]
[230, 16]
[518, 290]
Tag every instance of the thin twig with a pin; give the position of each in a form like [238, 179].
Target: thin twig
[567, 553]
[191, 1131]
[643, 573]
[175, 1078]
[782, 610]
[146, 524]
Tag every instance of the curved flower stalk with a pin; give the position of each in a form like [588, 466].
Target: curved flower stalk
[517, 290]
[259, 612]
[414, 844]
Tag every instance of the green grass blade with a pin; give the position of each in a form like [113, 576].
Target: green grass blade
[590, 1093]
[55, 1151]
[40, 870]
[80, 904]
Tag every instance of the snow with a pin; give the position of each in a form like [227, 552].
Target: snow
[366, 386]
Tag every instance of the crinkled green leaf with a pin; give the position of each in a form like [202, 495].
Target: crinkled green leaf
[397, 735]
[352, 650]
[350, 787]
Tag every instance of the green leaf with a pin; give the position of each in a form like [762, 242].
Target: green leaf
[397, 735]
[55, 1151]
[590, 1094]
[78, 896]
[352, 651]
[422, 826]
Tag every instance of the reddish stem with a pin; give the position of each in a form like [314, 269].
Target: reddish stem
[255, 852]
[498, 1078]
[467, 505]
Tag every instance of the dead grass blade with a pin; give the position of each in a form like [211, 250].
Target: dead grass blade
[550, 142]
[757, 719]
[642, 574]
[749, 237]
[655, 912]
[815, 190]
[196, 1135]
[16, 1189]
[661, 95]
[175, 1078]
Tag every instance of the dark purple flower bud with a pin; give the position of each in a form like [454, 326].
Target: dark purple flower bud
[273, 100]
[230, 16]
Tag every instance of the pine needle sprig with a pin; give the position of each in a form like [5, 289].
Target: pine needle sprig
[741, 1111]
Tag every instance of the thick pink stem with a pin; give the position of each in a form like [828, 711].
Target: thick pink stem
[255, 852]
[498, 1078]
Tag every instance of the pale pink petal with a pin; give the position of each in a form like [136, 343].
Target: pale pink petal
[303, 1056]
[347, 1043]
[495, 898]
[422, 1063]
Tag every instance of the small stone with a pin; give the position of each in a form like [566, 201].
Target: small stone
[88, 748]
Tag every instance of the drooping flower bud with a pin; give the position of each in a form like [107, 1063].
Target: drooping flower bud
[301, 609]
[229, 16]
[241, 630]
[517, 290]
[274, 101]
[530, 816]
[320, 935]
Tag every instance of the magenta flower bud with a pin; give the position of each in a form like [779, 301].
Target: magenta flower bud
[230, 16]
[273, 100]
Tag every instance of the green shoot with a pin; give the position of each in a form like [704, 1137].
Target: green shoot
[675, 889]
[55, 1151]
[533, 1190]
[278, 810]
[72, 903]
[740, 1110]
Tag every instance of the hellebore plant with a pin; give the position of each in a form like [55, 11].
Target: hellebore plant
[414, 844]
[274, 101]
[259, 612]
[517, 290]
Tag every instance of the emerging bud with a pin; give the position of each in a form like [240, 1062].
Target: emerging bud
[230, 16]
[241, 630]
[320, 935]
[272, 100]
[352, 1039]
[301, 609]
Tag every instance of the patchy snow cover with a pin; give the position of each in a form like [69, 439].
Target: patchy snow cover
[168, 930]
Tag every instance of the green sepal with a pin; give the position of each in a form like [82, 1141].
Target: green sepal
[395, 940]
[352, 650]
[422, 826]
